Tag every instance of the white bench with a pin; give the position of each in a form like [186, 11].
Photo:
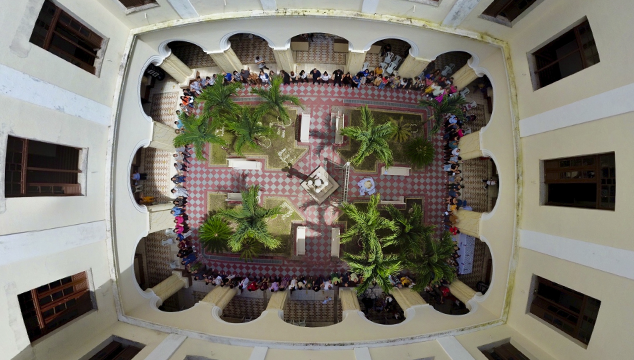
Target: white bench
[234, 197]
[304, 134]
[339, 124]
[396, 171]
[244, 164]
[334, 250]
[399, 201]
[300, 241]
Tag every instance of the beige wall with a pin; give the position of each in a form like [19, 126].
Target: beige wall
[611, 338]
[605, 227]
[35, 272]
[23, 56]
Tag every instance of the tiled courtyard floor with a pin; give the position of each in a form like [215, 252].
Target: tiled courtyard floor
[428, 184]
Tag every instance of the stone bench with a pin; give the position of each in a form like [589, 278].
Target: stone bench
[396, 171]
[339, 125]
[399, 201]
[300, 241]
[334, 250]
[304, 134]
[234, 197]
[244, 164]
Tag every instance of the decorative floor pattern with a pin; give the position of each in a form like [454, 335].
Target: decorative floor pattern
[191, 55]
[158, 165]
[247, 47]
[428, 184]
[321, 51]
[310, 311]
[244, 308]
[164, 108]
[158, 258]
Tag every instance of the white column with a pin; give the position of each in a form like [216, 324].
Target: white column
[469, 222]
[284, 59]
[167, 347]
[412, 66]
[470, 146]
[615, 261]
[464, 76]
[163, 136]
[268, 5]
[176, 68]
[184, 8]
[227, 60]
[459, 11]
[354, 61]
[362, 354]
[369, 6]
[454, 349]
[169, 287]
[258, 353]
[160, 217]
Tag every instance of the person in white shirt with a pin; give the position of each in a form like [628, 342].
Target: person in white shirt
[260, 62]
[327, 285]
[325, 77]
[264, 78]
[179, 191]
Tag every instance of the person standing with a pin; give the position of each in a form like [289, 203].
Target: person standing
[316, 74]
[337, 76]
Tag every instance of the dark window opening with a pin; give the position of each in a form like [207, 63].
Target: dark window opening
[118, 350]
[57, 32]
[582, 181]
[50, 306]
[35, 168]
[507, 10]
[568, 310]
[504, 352]
[568, 54]
[130, 4]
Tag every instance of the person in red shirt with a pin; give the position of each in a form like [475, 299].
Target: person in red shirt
[454, 230]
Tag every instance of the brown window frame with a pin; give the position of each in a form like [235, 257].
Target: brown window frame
[553, 312]
[504, 351]
[578, 50]
[131, 4]
[65, 31]
[21, 166]
[583, 169]
[499, 8]
[55, 304]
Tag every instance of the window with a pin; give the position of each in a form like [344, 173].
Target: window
[569, 311]
[572, 52]
[35, 168]
[57, 32]
[504, 352]
[505, 11]
[583, 181]
[52, 305]
[115, 348]
[129, 4]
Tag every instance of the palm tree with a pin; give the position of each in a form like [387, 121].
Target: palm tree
[250, 221]
[214, 234]
[274, 100]
[420, 152]
[376, 269]
[411, 229]
[402, 130]
[369, 228]
[373, 138]
[430, 264]
[247, 126]
[197, 132]
[217, 99]
[448, 105]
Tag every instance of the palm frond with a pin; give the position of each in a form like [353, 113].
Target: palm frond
[373, 138]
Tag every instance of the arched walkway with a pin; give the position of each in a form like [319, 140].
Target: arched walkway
[377, 52]
[247, 46]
